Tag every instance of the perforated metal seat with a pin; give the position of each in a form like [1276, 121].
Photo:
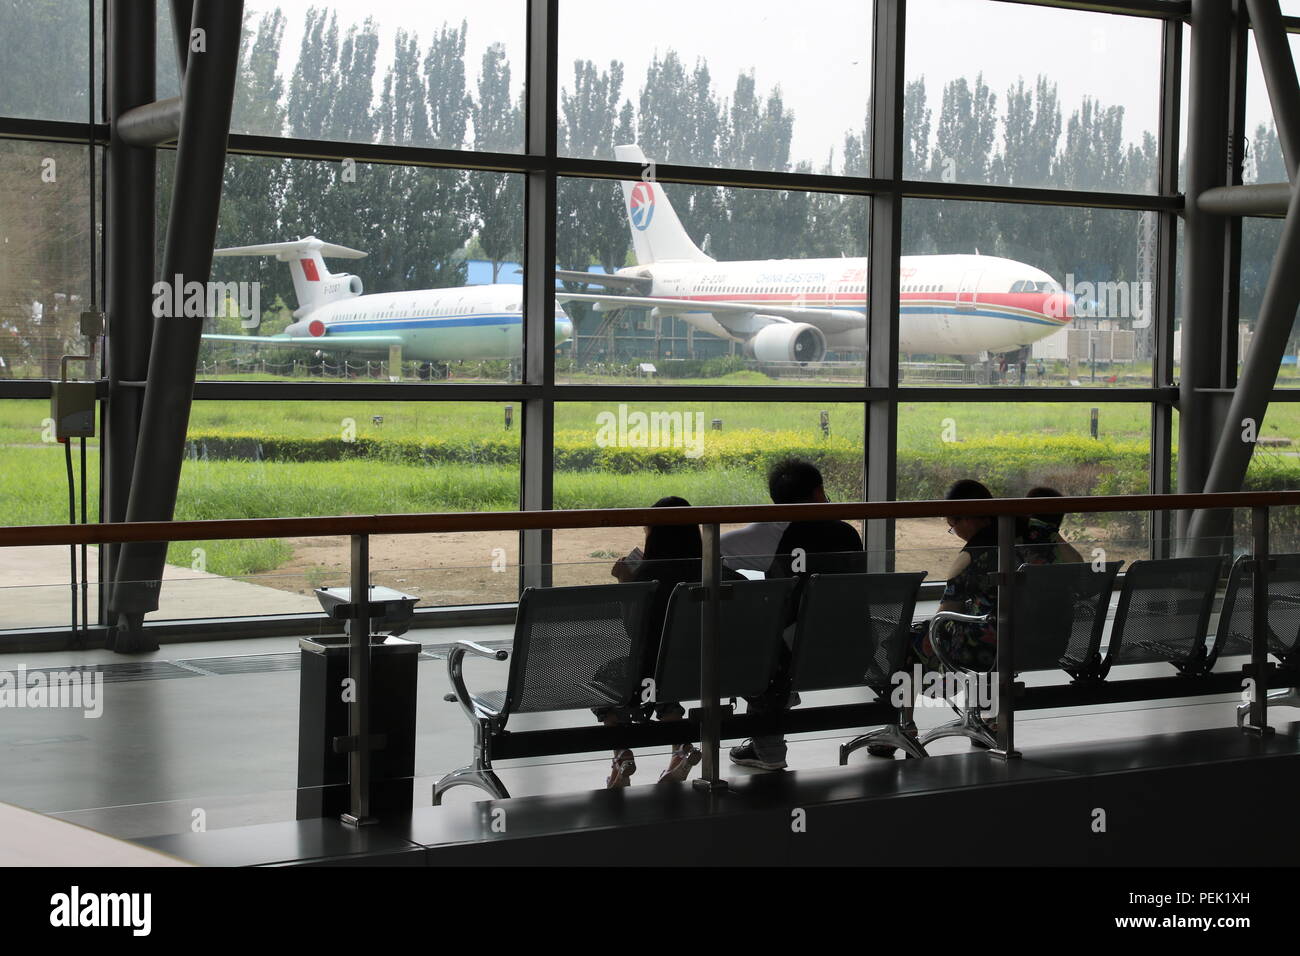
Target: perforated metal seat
[752, 618]
[1163, 614]
[1059, 614]
[1237, 620]
[574, 648]
[853, 631]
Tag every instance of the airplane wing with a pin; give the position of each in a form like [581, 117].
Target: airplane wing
[828, 320]
[640, 284]
[320, 341]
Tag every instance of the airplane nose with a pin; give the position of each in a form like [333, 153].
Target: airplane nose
[563, 327]
[1059, 305]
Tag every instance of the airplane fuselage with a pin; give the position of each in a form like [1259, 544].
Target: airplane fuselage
[948, 304]
[469, 322]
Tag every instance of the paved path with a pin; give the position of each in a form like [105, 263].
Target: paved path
[34, 591]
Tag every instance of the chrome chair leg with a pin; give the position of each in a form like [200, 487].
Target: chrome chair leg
[478, 774]
[1278, 698]
[891, 735]
[470, 777]
[969, 724]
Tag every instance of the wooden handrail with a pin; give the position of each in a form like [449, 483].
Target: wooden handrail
[227, 529]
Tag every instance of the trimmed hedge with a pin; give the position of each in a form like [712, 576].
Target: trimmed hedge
[1008, 464]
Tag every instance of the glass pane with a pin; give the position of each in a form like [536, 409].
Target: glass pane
[741, 88]
[1076, 449]
[45, 264]
[1078, 110]
[746, 286]
[43, 59]
[1025, 295]
[389, 273]
[287, 459]
[445, 75]
[630, 455]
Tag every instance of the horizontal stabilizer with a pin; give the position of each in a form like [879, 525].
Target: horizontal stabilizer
[285, 251]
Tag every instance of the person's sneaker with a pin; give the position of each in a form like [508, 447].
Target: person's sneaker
[746, 756]
[620, 772]
[679, 768]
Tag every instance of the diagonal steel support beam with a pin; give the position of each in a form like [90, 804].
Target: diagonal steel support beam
[1279, 76]
[1258, 376]
[207, 96]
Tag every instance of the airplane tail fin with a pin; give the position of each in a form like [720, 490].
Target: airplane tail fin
[657, 234]
[313, 283]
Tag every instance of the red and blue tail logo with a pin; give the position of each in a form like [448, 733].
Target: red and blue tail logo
[642, 206]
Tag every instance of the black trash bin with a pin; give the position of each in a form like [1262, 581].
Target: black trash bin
[323, 716]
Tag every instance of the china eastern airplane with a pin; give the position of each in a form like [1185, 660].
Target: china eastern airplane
[794, 310]
[430, 325]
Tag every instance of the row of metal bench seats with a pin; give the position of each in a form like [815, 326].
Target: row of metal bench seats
[581, 647]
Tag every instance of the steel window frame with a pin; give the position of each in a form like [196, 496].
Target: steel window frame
[880, 394]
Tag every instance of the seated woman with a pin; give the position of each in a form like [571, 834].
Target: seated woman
[970, 590]
[671, 556]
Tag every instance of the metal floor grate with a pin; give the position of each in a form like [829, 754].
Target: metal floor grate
[243, 664]
[128, 670]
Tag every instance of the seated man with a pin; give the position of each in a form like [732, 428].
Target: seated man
[752, 547]
[805, 547]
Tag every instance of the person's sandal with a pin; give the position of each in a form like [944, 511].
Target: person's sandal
[620, 773]
[679, 768]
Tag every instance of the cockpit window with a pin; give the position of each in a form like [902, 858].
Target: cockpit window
[1019, 285]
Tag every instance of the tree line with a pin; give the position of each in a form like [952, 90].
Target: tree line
[419, 225]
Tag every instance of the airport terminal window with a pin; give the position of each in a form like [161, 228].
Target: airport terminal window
[738, 90]
[1077, 107]
[360, 72]
[43, 51]
[445, 75]
[280, 459]
[435, 297]
[799, 256]
[1014, 447]
[45, 233]
[1080, 309]
[630, 454]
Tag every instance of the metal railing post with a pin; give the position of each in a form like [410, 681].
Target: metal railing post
[359, 672]
[710, 705]
[1259, 623]
[1006, 747]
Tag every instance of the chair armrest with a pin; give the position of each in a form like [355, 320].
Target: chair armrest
[456, 674]
[955, 618]
[464, 647]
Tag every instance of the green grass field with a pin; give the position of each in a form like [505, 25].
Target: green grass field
[33, 486]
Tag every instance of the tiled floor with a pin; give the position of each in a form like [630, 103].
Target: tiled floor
[172, 751]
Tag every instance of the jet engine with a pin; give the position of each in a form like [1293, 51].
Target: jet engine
[788, 342]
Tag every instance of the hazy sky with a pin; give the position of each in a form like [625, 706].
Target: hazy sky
[818, 51]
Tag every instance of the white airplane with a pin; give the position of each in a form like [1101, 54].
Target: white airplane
[794, 310]
[431, 325]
